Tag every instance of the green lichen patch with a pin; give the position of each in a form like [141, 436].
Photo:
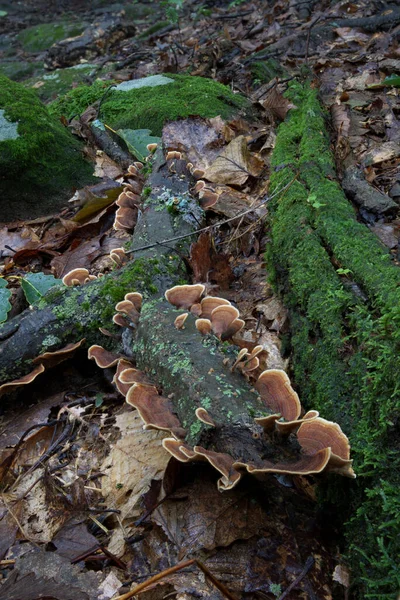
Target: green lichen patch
[343, 293]
[40, 37]
[40, 168]
[150, 108]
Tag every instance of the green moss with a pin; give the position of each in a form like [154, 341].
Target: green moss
[44, 162]
[345, 344]
[40, 37]
[59, 81]
[153, 29]
[265, 70]
[151, 107]
[77, 100]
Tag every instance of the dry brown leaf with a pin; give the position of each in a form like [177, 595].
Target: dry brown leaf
[207, 518]
[277, 104]
[136, 459]
[235, 164]
[105, 167]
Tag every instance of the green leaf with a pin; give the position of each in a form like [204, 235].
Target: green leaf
[3, 13]
[35, 286]
[99, 400]
[5, 306]
[391, 81]
[137, 140]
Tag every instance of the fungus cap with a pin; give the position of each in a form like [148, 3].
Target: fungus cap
[209, 303]
[203, 326]
[278, 395]
[10, 386]
[243, 352]
[184, 296]
[154, 410]
[75, 277]
[222, 318]
[103, 358]
[203, 416]
[122, 366]
[51, 359]
[180, 320]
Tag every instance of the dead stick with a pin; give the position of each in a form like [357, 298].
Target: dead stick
[156, 578]
[220, 586]
[309, 563]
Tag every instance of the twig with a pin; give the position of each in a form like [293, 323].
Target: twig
[308, 36]
[309, 563]
[220, 586]
[187, 563]
[186, 235]
[155, 578]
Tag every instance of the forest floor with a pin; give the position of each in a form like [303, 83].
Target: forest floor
[102, 535]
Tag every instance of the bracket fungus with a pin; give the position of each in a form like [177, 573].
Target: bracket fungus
[127, 212]
[180, 320]
[10, 386]
[154, 410]
[129, 306]
[203, 326]
[118, 256]
[184, 296]
[77, 276]
[102, 357]
[278, 395]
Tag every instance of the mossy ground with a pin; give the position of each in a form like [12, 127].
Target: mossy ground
[39, 38]
[343, 292]
[40, 168]
[151, 107]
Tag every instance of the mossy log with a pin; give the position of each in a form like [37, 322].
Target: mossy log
[343, 292]
[67, 314]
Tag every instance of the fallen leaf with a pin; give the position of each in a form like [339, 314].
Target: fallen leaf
[277, 104]
[235, 164]
[135, 460]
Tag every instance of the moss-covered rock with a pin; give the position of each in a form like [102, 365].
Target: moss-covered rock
[40, 37]
[40, 161]
[19, 69]
[50, 85]
[343, 292]
[149, 106]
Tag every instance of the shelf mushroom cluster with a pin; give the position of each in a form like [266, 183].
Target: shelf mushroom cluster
[322, 444]
[216, 315]
[128, 201]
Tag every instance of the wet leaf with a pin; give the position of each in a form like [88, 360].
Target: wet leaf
[137, 141]
[35, 286]
[5, 305]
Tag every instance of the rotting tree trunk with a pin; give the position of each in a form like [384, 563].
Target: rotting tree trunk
[343, 292]
[67, 315]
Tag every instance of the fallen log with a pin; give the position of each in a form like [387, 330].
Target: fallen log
[68, 314]
[343, 293]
